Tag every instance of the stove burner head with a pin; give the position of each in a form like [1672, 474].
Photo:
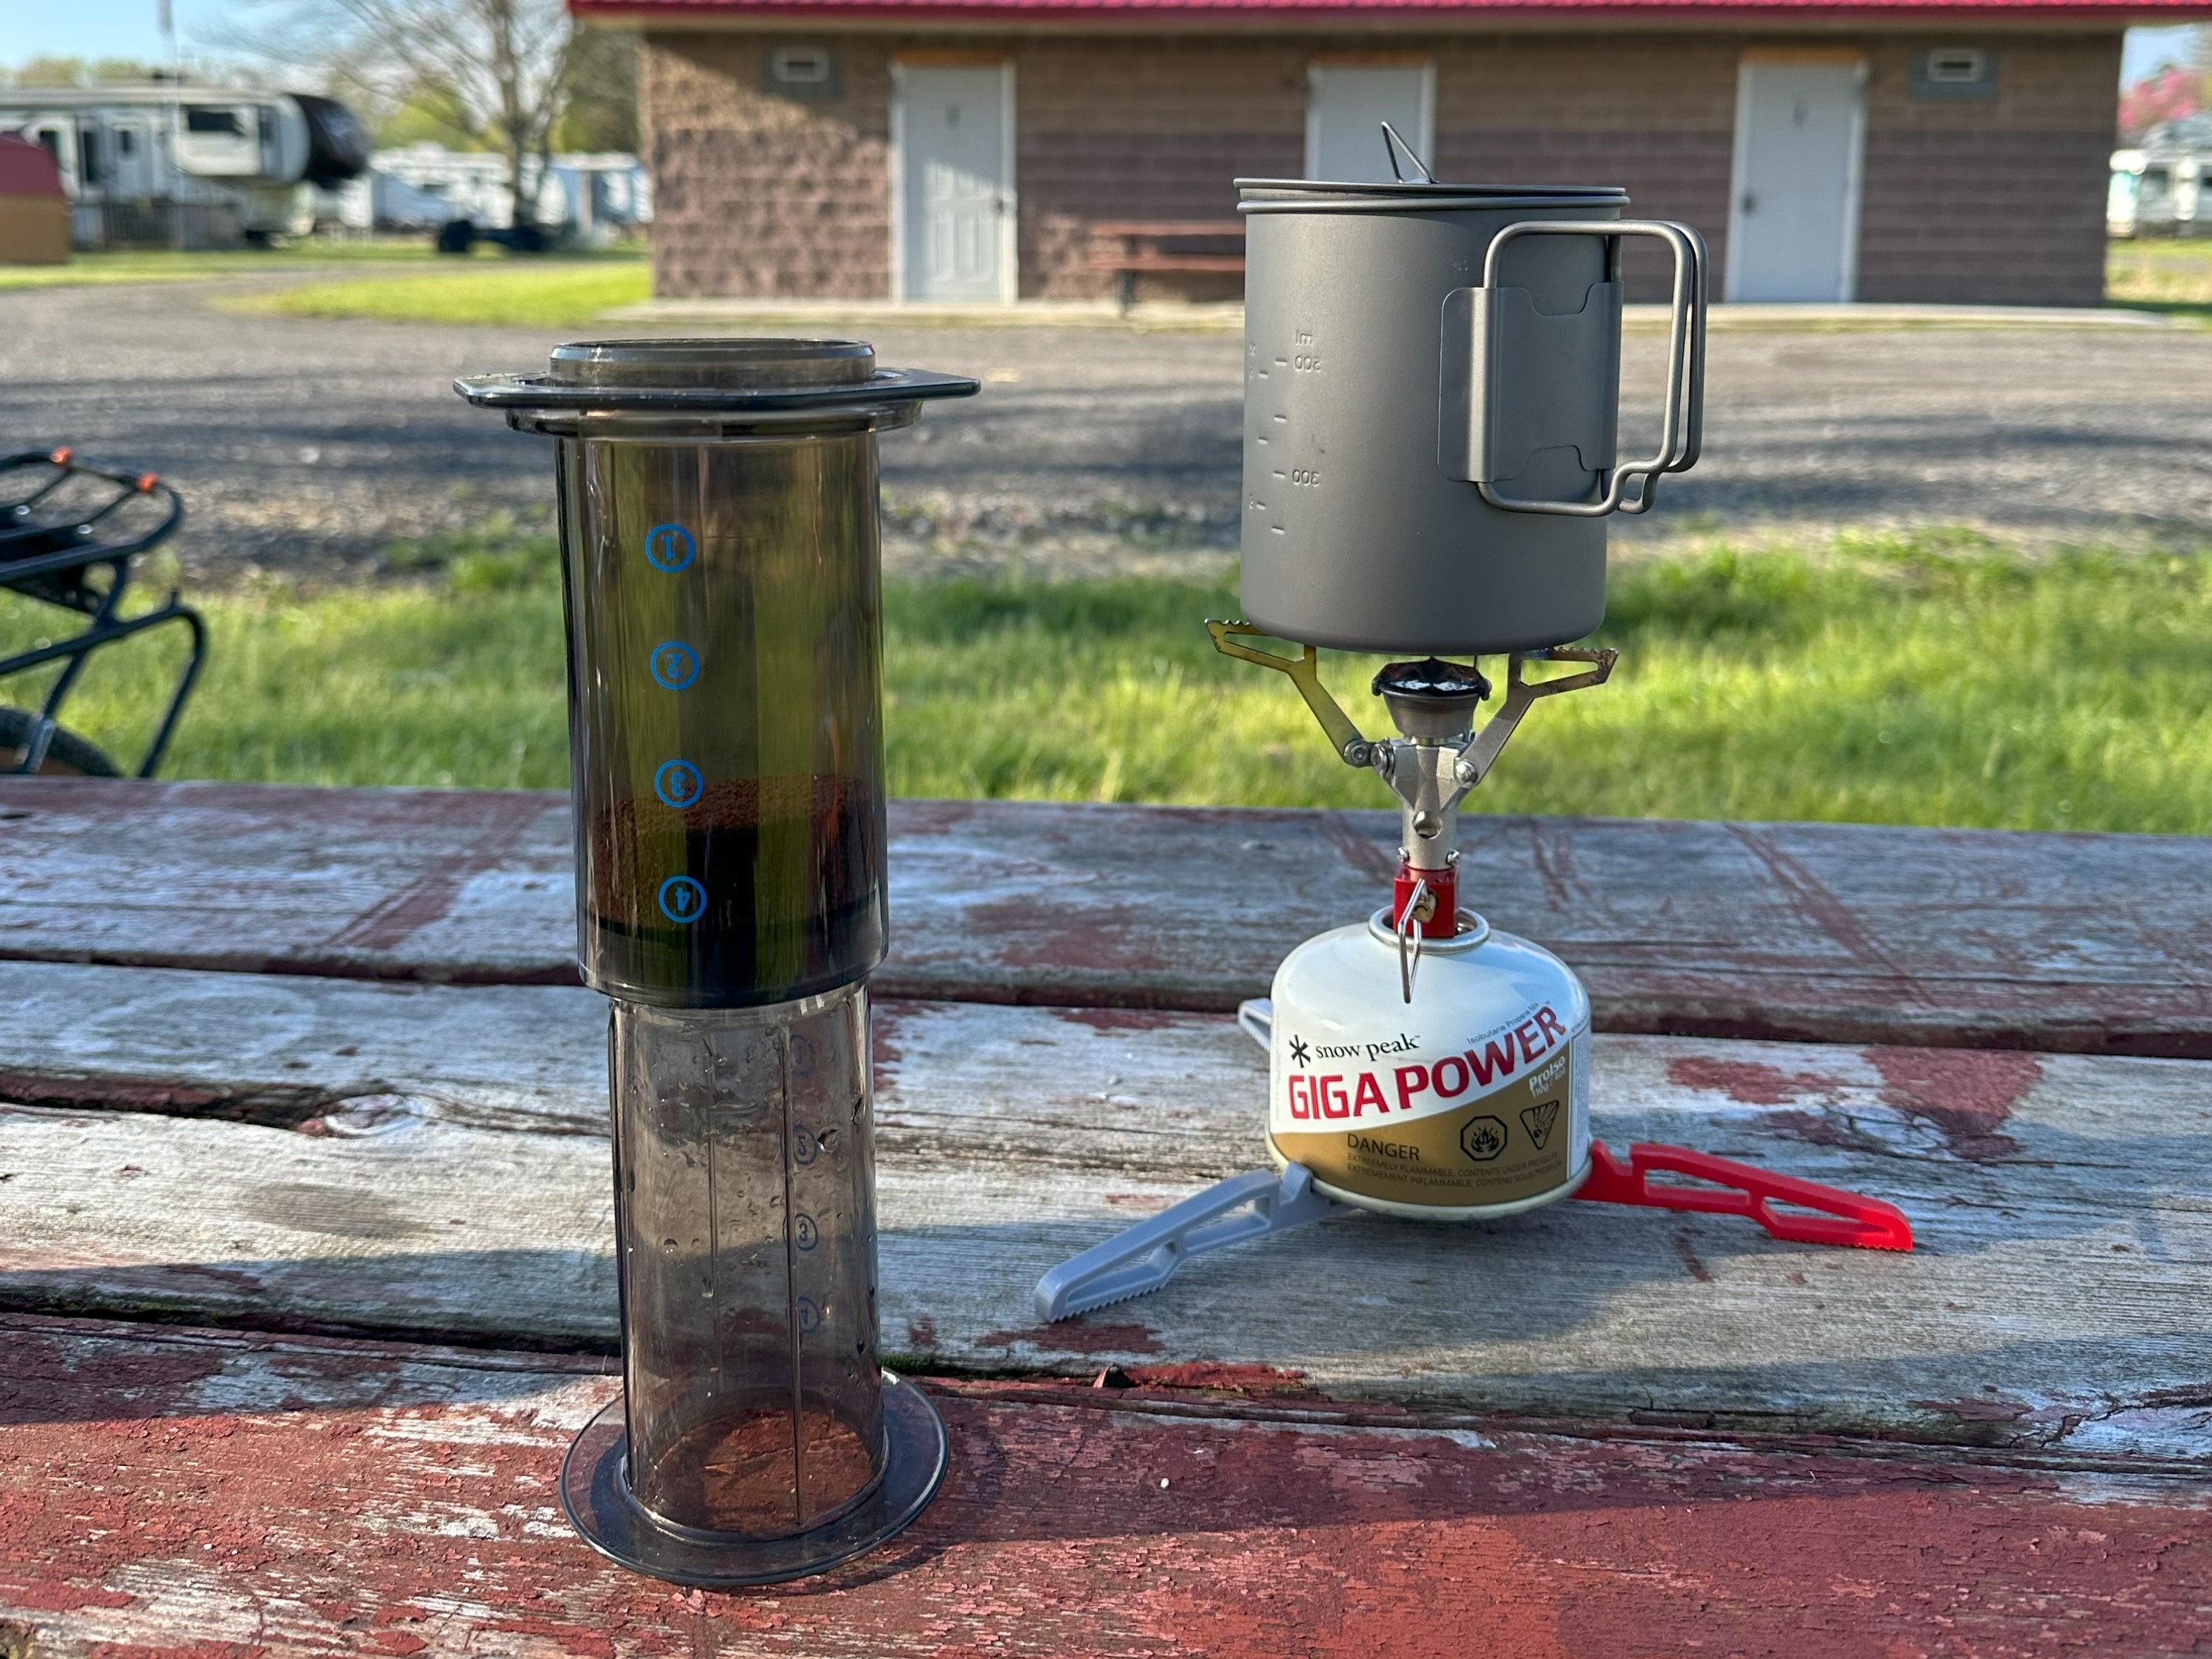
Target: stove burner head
[1432, 700]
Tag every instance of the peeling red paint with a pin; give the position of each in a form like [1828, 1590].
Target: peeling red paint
[1113, 938]
[913, 817]
[1991, 1408]
[1812, 899]
[1792, 941]
[885, 1020]
[114, 1093]
[419, 1523]
[416, 1523]
[1687, 1254]
[1817, 1129]
[1965, 1092]
[1121, 1019]
[1366, 855]
[1216, 1377]
[1077, 1336]
[502, 821]
[1552, 852]
[1748, 1082]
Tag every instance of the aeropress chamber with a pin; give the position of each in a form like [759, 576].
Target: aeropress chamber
[723, 577]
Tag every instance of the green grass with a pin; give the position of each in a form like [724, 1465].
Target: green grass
[1931, 679]
[2172, 275]
[551, 292]
[160, 265]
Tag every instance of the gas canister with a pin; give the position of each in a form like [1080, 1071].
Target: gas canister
[1470, 1098]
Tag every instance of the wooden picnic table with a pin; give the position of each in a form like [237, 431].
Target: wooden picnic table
[306, 1229]
[1132, 247]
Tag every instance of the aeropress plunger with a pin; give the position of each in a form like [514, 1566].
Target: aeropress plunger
[723, 571]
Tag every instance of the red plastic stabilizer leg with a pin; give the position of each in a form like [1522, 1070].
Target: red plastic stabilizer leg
[1747, 1190]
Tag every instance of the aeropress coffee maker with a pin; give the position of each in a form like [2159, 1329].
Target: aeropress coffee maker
[722, 575]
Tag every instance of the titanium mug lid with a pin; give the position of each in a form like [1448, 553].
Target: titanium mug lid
[1324, 195]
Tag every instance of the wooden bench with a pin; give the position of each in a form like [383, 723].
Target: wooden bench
[1134, 247]
[305, 1230]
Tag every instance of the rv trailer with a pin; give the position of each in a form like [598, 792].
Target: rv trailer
[182, 165]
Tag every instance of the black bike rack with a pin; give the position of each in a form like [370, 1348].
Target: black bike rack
[70, 542]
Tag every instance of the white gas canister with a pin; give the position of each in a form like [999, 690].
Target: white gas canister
[1471, 1099]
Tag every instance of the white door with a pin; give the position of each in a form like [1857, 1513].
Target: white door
[957, 191]
[1345, 106]
[133, 148]
[1793, 225]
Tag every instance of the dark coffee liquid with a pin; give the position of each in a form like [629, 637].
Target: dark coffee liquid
[725, 717]
[762, 889]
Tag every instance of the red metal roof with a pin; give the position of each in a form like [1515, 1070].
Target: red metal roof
[2113, 13]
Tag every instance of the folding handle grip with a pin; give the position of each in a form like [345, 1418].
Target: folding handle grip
[1682, 431]
[1744, 1189]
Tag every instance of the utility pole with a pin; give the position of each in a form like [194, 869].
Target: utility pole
[165, 14]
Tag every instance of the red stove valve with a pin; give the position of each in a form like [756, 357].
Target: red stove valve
[1438, 907]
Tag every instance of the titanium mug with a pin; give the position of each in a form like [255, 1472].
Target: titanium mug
[1433, 377]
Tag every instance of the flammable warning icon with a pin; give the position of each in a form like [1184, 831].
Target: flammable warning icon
[1538, 1121]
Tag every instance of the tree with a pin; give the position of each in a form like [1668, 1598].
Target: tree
[602, 113]
[2167, 95]
[505, 69]
[77, 71]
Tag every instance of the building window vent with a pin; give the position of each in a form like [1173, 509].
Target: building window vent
[1954, 72]
[802, 72]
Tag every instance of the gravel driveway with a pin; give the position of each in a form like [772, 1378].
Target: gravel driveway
[311, 444]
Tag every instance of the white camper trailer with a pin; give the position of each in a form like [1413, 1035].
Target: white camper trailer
[2163, 187]
[2160, 193]
[180, 165]
[586, 198]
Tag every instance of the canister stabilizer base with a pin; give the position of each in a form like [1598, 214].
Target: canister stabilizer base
[595, 1494]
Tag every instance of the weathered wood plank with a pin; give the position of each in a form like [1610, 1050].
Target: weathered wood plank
[178, 1492]
[2056, 1299]
[1848, 933]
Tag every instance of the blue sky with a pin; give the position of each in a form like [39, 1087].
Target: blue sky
[2147, 49]
[126, 28]
[104, 28]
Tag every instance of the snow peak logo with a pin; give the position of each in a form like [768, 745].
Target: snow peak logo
[1370, 1052]
[1349, 1094]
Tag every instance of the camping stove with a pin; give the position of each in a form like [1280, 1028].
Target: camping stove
[1429, 464]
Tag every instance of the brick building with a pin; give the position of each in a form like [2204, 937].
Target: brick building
[1940, 150]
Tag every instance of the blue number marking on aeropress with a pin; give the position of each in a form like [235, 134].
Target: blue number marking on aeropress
[678, 782]
[682, 899]
[669, 547]
[804, 1231]
[674, 664]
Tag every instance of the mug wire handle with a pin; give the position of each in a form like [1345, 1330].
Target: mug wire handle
[1682, 431]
